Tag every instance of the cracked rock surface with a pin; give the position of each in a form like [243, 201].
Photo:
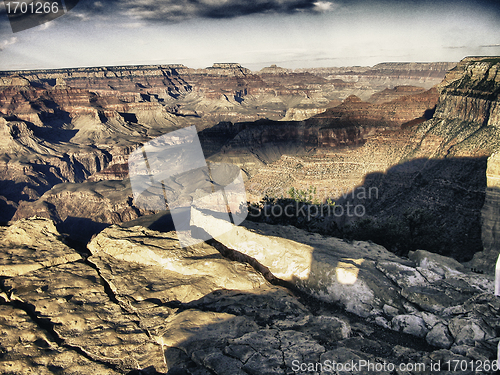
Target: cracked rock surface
[28, 245]
[138, 303]
[28, 349]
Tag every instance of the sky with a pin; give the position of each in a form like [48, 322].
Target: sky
[255, 33]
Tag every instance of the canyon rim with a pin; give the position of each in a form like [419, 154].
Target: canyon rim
[91, 282]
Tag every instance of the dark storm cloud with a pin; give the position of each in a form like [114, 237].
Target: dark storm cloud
[169, 11]
[178, 10]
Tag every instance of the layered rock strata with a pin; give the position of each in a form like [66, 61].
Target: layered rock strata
[387, 75]
[436, 166]
[486, 259]
[69, 125]
[110, 202]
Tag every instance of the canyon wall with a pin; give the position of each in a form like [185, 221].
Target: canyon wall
[490, 215]
[131, 300]
[74, 125]
[386, 75]
[427, 172]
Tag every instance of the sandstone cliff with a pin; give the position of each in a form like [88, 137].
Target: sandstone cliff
[254, 145]
[386, 75]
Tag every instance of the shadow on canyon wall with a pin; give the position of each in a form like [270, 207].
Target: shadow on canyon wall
[430, 204]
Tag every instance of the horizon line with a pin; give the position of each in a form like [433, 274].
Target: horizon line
[273, 65]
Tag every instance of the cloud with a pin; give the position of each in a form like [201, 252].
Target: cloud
[5, 43]
[324, 6]
[178, 10]
[173, 11]
[169, 11]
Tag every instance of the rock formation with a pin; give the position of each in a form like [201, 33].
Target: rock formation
[433, 169]
[74, 125]
[388, 95]
[261, 298]
[486, 259]
[138, 302]
[385, 75]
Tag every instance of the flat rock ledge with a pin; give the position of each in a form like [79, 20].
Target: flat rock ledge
[138, 303]
[29, 245]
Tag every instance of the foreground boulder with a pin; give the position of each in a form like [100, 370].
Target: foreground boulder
[425, 296]
[29, 245]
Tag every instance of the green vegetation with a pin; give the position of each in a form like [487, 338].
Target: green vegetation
[305, 196]
[303, 209]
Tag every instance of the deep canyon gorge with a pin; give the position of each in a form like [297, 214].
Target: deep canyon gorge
[93, 283]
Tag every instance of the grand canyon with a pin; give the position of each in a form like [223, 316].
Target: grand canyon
[92, 283]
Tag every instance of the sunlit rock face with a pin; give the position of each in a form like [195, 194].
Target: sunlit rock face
[23, 252]
[354, 121]
[422, 296]
[338, 271]
[384, 75]
[486, 259]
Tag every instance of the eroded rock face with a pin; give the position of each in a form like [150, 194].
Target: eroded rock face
[424, 296]
[23, 252]
[486, 259]
[73, 300]
[70, 125]
[83, 209]
[436, 166]
[142, 302]
[392, 114]
[385, 75]
[28, 349]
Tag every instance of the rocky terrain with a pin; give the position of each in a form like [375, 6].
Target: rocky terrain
[385, 75]
[74, 135]
[134, 302]
[79, 125]
[94, 284]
